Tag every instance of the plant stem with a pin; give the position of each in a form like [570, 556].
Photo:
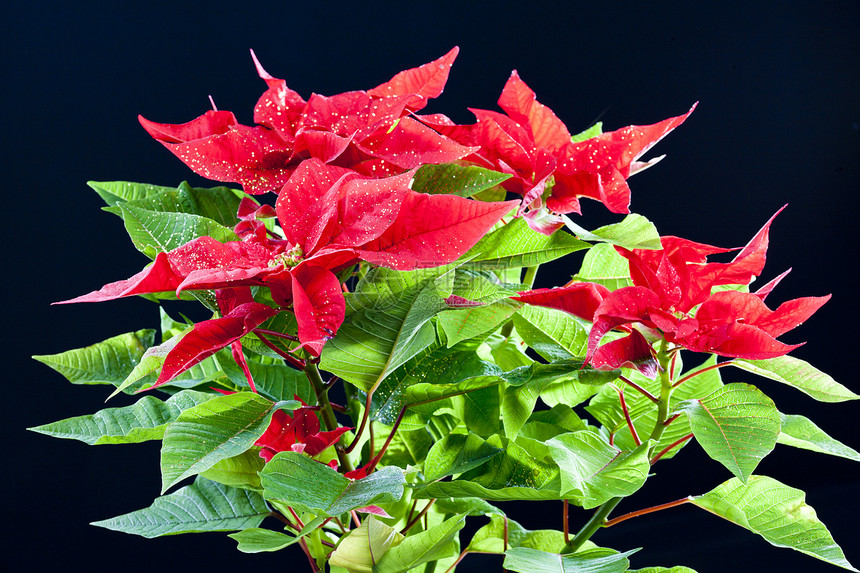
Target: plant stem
[328, 416]
[592, 525]
[529, 277]
[639, 389]
[630, 425]
[417, 518]
[645, 511]
[702, 371]
[668, 448]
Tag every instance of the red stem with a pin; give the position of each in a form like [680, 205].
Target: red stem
[565, 523]
[702, 371]
[291, 360]
[239, 357]
[277, 334]
[418, 517]
[645, 511]
[639, 389]
[627, 416]
[669, 447]
[372, 465]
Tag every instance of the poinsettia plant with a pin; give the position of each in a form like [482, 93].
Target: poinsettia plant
[377, 367]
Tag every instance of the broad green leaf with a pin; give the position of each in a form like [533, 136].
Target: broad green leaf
[593, 471]
[491, 537]
[457, 453]
[634, 232]
[463, 324]
[737, 426]
[516, 245]
[800, 375]
[150, 362]
[374, 342]
[480, 410]
[107, 362]
[257, 540]
[480, 286]
[364, 546]
[435, 543]
[287, 476]
[219, 204]
[801, 432]
[528, 560]
[512, 475]
[775, 511]
[592, 131]
[113, 192]
[453, 179]
[202, 506]
[215, 430]
[552, 333]
[145, 420]
[153, 232]
[602, 264]
[238, 471]
[281, 382]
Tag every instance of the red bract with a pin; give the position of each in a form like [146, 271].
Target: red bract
[366, 131]
[673, 295]
[532, 144]
[331, 218]
[299, 433]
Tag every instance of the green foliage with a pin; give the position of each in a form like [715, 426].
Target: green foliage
[528, 560]
[453, 179]
[801, 375]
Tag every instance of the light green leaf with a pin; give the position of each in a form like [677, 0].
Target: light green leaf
[107, 362]
[492, 537]
[113, 192]
[463, 324]
[737, 426]
[238, 471]
[775, 511]
[453, 179]
[592, 131]
[435, 543]
[153, 232]
[374, 342]
[257, 540]
[634, 232]
[527, 560]
[552, 333]
[593, 471]
[287, 475]
[602, 264]
[219, 204]
[516, 245]
[364, 546]
[801, 375]
[801, 432]
[457, 453]
[202, 506]
[215, 430]
[145, 420]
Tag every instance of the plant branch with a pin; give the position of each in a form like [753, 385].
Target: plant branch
[417, 518]
[645, 511]
[639, 389]
[669, 447]
[328, 416]
[375, 460]
[702, 371]
[630, 425]
[291, 360]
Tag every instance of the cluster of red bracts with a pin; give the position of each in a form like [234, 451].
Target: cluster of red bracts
[673, 299]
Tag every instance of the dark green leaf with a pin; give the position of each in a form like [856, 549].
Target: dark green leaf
[457, 453]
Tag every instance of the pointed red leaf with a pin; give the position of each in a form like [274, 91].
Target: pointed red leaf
[579, 299]
[279, 108]
[422, 83]
[160, 276]
[519, 102]
[411, 144]
[318, 304]
[632, 351]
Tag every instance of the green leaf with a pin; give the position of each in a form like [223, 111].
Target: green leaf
[457, 453]
[287, 476]
[153, 232]
[602, 264]
[374, 342]
[453, 179]
[502, 532]
[257, 540]
[215, 430]
[800, 375]
[593, 471]
[481, 411]
[592, 131]
[552, 333]
[516, 245]
[634, 232]
[364, 546]
[775, 511]
[202, 506]
[737, 426]
[113, 192]
[463, 324]
[140, 422]
[239, 471]
[219, 204]
[527, 560]
[107, 362]
[801, 432]
[435, 543]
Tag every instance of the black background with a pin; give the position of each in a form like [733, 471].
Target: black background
[777, 122]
